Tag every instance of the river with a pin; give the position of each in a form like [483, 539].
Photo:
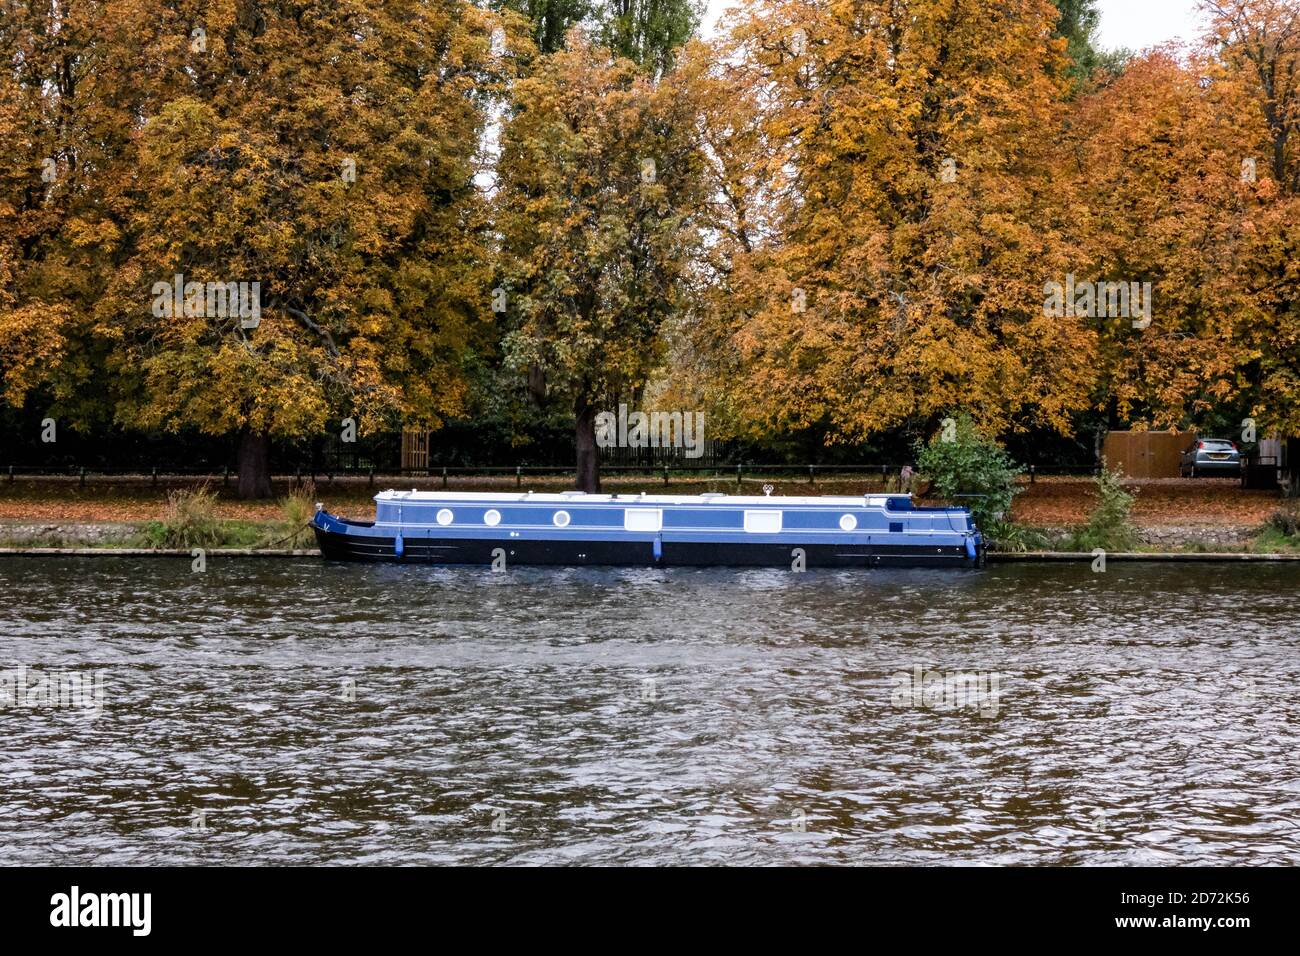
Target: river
[270, 711]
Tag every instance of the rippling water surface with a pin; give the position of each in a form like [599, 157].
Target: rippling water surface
[297, 712]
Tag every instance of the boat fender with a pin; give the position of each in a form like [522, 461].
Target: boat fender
[658, 548]
[971, 551]
[398, 545]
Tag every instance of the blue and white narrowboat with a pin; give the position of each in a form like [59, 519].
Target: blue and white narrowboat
[574, 528]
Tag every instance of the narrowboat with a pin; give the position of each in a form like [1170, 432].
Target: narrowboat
[706, 530]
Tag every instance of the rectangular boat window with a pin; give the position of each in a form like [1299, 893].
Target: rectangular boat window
[643, 519]
[762, 522]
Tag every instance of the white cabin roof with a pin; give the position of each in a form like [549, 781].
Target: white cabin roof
[578, 497]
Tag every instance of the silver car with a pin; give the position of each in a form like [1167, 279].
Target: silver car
[1210, 456]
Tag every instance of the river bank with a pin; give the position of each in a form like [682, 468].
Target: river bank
[1169, 515]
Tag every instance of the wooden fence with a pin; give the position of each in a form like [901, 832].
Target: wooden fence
[1146, 454]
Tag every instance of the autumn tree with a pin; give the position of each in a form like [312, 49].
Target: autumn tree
[1190, 165]
[1259, 40]
[741, 173]
[1156, 158]
[597, 202]
[1258, 44]
[327, 153]
[909, 156]
[70, 107]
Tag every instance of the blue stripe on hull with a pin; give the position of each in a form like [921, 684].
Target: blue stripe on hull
[478, 550]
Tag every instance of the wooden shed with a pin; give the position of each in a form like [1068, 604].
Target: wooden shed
[1146, 454]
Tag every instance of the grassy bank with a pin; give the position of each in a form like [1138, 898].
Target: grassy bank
[172, 518]
[1183, 540]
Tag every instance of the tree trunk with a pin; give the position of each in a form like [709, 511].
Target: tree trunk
[537, 384]
[588, 453]
[254, 465]
[1293, 466]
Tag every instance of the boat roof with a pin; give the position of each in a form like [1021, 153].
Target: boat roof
[579, 497]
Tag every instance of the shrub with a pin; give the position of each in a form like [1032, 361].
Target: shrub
[1108, 526]
[959, 461]
[190, 521]
[1287, 518]
[1008, 536]
[296, 511]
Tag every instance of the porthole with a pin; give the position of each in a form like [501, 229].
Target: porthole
[848, 523]
[492, 518]
[561, 519]
[445, 516]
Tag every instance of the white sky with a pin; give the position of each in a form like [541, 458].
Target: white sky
[1137, 24]
[1124, 23]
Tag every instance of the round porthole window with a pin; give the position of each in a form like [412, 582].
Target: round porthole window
[492, 517]
[561, 519]
[848, 522]
[445, 516]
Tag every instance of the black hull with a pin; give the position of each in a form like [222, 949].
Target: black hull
[345, 547]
